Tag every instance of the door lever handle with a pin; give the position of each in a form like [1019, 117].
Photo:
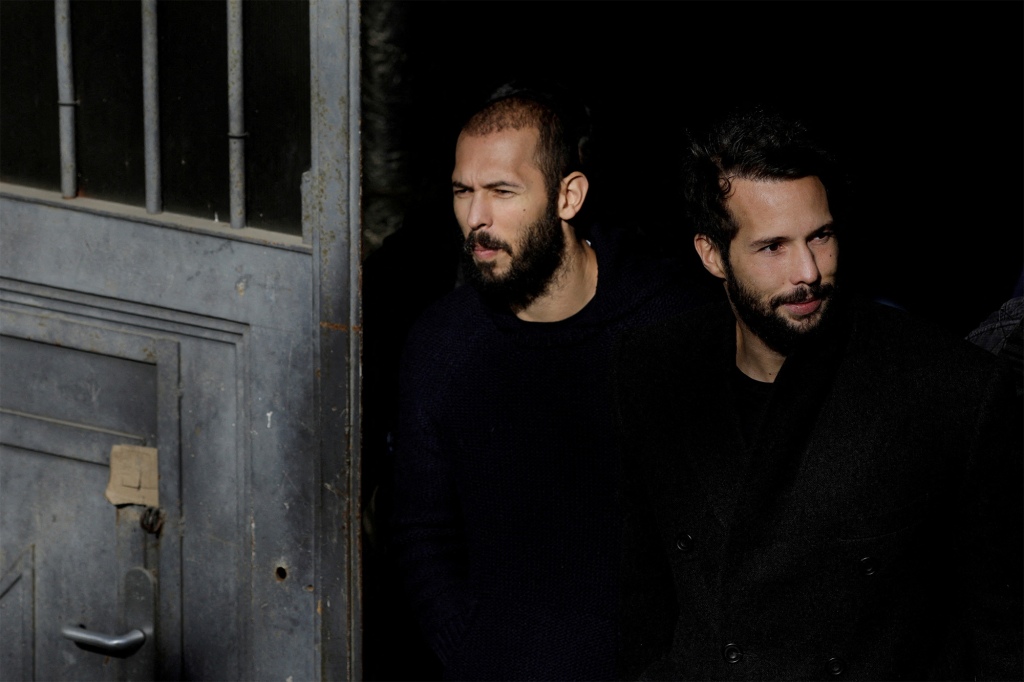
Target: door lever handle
[119, 646]
[137, 614]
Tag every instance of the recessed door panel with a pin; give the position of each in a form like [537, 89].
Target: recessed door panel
[70, 391]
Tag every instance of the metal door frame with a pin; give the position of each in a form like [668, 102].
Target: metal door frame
[336, 230]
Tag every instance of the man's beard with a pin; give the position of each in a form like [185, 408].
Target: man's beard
[530, 271]
[765, 320]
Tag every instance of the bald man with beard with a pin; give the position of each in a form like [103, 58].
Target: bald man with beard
[507, 525]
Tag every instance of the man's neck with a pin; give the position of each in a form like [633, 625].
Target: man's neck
[572, 286]
[754, 358]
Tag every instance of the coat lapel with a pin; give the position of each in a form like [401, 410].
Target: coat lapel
[776, 453]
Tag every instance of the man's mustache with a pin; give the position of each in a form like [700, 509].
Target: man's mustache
[485, 240]
[805, 293]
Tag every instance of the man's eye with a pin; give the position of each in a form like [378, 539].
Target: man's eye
[772, 248]
[459, 191]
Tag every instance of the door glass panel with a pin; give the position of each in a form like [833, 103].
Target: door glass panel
[277, 114]
[106, 47]
[106, 53]
[194, 109]
[28, 95]
[192, 47]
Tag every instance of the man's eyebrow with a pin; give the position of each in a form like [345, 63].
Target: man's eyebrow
[494, 184]
[497, 184]
[767, 241]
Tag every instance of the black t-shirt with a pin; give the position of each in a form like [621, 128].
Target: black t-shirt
[752, 397]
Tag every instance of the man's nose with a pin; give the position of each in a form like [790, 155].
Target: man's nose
[479, 214]
[805, 268]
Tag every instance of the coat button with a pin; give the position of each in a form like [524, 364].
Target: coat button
[732, 653]
[868, 566]
[835, 666]
[684, 542]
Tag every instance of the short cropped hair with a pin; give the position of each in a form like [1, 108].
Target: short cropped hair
[561, 118]
[755, 142]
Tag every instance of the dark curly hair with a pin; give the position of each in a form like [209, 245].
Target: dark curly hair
[755, 142]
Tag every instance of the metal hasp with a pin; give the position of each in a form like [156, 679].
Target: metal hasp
[138, 642]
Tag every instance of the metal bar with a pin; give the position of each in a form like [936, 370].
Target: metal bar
[66, 100]
[151, 107]
[236, 115]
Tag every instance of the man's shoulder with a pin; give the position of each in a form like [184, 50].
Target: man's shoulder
[681, 356]
[457, 309]
[640, 285]
[655, 352]
[903, 329]
[901, 338]
[447, 326]
[698, 323]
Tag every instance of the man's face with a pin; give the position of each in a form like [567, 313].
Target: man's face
[514, 241]
[781, 269]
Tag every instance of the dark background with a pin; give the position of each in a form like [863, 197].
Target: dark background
[922, 100]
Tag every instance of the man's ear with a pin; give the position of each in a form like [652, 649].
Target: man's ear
[572, 194]
[709, 255]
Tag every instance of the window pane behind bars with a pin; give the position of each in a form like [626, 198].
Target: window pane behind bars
[29, 149]
[277, 114]
[106, 54]
[192, 47]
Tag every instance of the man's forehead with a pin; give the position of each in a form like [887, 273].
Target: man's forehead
[508, 150]
[517, 135]
[776, 202]
[769, 196]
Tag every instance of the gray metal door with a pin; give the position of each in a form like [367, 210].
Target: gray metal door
[179, 407]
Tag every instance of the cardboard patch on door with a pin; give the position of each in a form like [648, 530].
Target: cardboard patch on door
[134, 476]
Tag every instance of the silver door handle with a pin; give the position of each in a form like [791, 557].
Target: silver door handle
[119, 646]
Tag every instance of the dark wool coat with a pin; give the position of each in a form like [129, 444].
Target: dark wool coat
[506, 522]
[871, 530]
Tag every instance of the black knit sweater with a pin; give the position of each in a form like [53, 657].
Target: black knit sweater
[507, 526]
